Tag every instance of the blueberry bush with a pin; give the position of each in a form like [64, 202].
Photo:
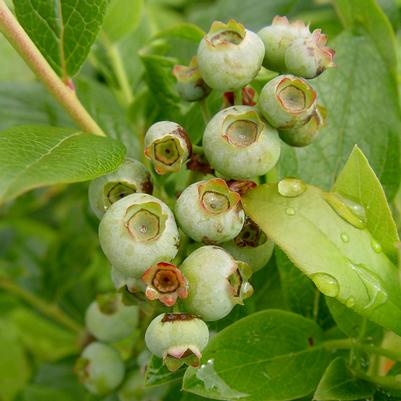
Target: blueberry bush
[200, 200]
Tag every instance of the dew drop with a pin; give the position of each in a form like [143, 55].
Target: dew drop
[344, 237]
[291, 187]
[326, 283]
[375, 292]
[376, 246]
[290, 211]
[350, 211]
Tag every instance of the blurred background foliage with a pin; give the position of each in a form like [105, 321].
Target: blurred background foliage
[51, 265]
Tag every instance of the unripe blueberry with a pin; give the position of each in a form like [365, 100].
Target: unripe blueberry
[229, 56]
[121, 279]
[136, 232]
[190, 84]
[251, 246]
[100, 368]
[276, 39]
[305, 134]
[309, 57]
[216, 281]
[239, 144]
[109, 320]
[208, 211]
[178, 338]
[287, 101]
[168, 146]
[166, 283]
[129, 178]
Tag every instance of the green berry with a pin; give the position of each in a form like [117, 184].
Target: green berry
[216, 281]
[287, 101]
[168, 146]
[190, 84]
[239, 144]
[305, 134]
[137, 232]
[109, 320]
[100, 368]
[251, 246]
[276, 39]
[229, 56]
[129, 178]
[309, 57]
[178, 338]
[208, 211]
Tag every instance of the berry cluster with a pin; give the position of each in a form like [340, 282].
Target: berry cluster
[198, 257]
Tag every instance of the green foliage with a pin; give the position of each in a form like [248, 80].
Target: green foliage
[254, 358]
[33, 156]
[64, 31]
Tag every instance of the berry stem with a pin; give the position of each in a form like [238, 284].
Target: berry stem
[49, 310]
[352, 344]
[390, 382]
[238, 97]
[23, 44]
[119, 69]
[204, 110]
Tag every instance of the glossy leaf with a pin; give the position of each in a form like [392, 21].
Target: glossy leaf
[362, 100]
[35, 156]
[269, 355]
[122, 17]
[358, 182]
[343, 261]
[64, 31]
[339, 383]
[182, 31]
[352, 324]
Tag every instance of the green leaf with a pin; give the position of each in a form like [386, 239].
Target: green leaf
[342, 260]
[339, 383]
[183, 30]
[361, 97]
[18, 108]
[161, 83]
[352, 324]
[270, 355]
[122, 17]
[358, 182]
[300, 294]
[157, 373]
[63, 30]
[42, 338]
[35, 156]
[14, 367]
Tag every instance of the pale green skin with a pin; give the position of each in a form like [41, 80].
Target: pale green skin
[299, 60]
[121, 280]
[106, 368]
[256, 257]
[111, 327]
[240, 162]
[130, 171]
[207, 270]
[273, 111]
[161, 337]
[129, 256]
[203, 226]
[277, 39]
[231, 67]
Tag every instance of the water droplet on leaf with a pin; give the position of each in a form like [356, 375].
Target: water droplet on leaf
[375, 292]
[290, 211]
[344, 237]
[350, 302]
[352, 212]
[326, 284]
[376, 246]
[291, 187]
